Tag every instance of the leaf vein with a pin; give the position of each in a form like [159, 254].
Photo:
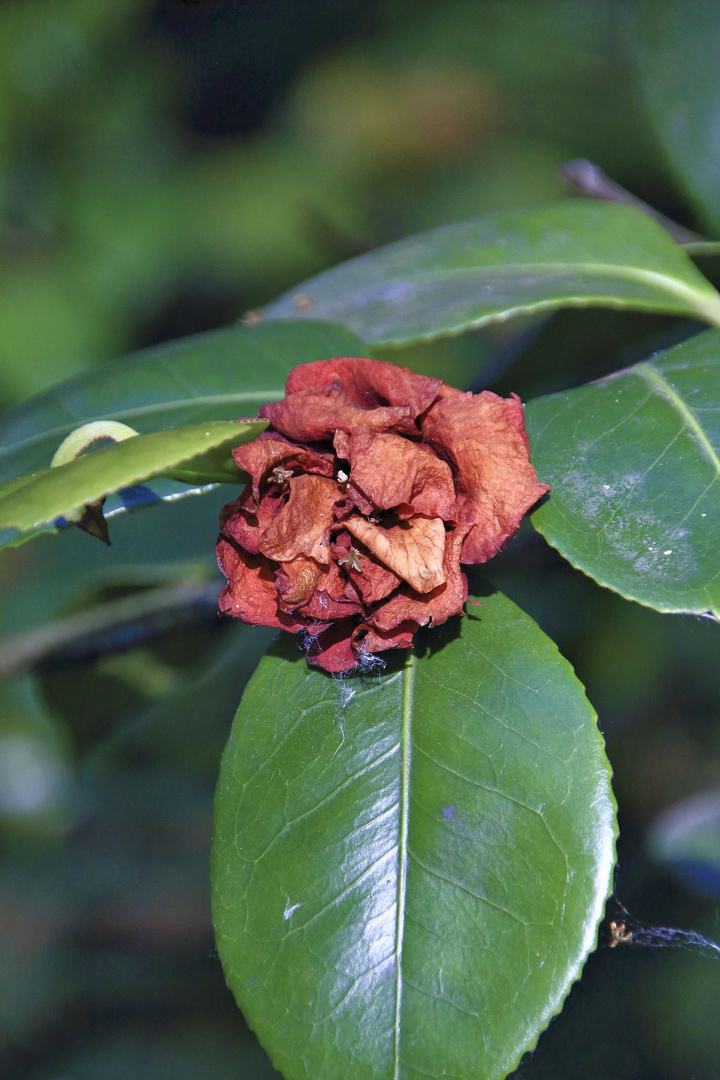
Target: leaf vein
[408, 686]
[656, 380]
[464, 888]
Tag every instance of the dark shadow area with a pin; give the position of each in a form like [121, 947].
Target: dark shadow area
[241, 55]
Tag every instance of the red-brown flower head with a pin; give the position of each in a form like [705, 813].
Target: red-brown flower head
[367, 491]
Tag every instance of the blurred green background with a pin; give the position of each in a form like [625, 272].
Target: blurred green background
[166, 165]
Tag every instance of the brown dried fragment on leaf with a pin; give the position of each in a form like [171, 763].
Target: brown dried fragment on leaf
[368, 490]
[93, 522]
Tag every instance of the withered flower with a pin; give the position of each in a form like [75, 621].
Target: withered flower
[367, 491]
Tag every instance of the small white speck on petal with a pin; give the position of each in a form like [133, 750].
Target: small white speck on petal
[668, 552]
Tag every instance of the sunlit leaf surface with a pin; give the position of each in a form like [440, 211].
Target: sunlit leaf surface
[570, 254]
[634, 463]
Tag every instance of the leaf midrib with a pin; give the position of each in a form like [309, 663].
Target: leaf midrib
[659, 383]
[672, 284]
[408, 685]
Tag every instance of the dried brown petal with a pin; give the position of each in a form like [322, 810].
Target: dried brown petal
[245, 521]
[250, 593]
[296, 579]
[389, 470]
[331, 650]
[368, 383]
[368, 639]
[435, 607]
[371, 580]
[341, 442]
[322, 607]
[329, 599]
[315, 415]
[302, 525]
[414, 548]
[483, 437]
[266, 455]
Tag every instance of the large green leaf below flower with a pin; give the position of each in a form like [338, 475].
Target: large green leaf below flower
[571, 254]
[634, 463]
[409, 867]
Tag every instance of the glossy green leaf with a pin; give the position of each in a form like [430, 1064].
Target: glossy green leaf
[571, 254]
[634, 463]
[409, 867]
[222, 375]
[65, 490]
[676, 54]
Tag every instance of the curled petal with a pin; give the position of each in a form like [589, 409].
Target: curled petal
[331, 649]
[389, 470]
[434, 607]
[334, 582]
[369, 578]
[368, 383]
[296, 580]
[341, 442]
[329, 600]
[368, 639]
[483, 436]
[322, 607]
[413, 549]
[250, 593]
[245, 520]
[302, 525]
[271, 455]
[315, 415]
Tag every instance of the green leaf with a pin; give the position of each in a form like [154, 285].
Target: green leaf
[409, 868]
[571, 254]
[634, 463]
[676, 55]
[222, 375]
[65, 490]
